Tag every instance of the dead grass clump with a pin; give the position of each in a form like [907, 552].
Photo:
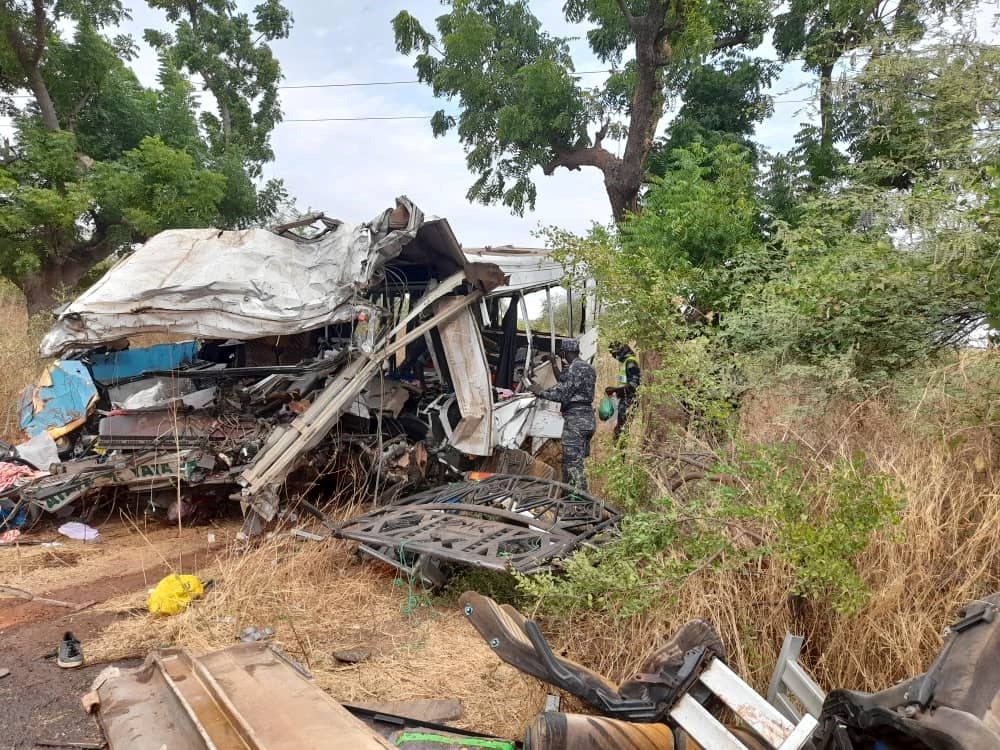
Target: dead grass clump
[319, 599]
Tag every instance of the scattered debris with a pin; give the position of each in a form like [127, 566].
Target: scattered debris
[10, 537]
[656, 685]
[353, 655]
[173, 593]
[252, 634]
[444, 740]
[501, 522]
[4, 673]
[79, 531]
[247, 690]
[22, 594]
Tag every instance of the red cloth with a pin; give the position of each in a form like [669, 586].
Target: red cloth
[10, 474]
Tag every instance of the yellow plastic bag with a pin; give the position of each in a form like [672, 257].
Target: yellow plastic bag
[173, 594]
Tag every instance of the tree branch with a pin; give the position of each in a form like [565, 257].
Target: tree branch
[623, 5]
[592, 156]
[599, 135]
[17, 44]
[81, 103]
[733, 40]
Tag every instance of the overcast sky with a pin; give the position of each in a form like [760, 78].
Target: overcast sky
[352, 170]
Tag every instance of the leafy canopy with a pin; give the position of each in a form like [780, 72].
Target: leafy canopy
[522, 106]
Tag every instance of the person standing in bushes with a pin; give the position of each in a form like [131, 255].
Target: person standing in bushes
[574, 392]
[629, 378]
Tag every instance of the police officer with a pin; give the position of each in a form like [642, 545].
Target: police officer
[574, 392]
[629, 377]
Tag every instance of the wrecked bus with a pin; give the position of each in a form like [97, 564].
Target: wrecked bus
[249, 364]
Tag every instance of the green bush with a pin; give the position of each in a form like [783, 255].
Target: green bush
[769, 506]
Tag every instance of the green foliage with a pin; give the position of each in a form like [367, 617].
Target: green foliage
[821, 523]
[42, 197]
[809, 519]
[513, 85]
[154, 187]
[623, 479]
[521, 106]
[691, 242]
[893, 264]
[722, 104]
[228, 50]
[99, 160]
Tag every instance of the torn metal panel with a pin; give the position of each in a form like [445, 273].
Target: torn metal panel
[168, 429]
[470, 376]
[528, 268]
[138, 472]
[499, 523]
[119, 395]
[287, 443]
[244, 284]
[245, 697]
[112, 367]
[60, 401]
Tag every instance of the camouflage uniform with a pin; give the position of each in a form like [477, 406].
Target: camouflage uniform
[575, 393]
[629, 379]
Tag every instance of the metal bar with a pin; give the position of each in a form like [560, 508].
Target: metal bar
[528, 362]
[800, 734]
[552, 320]
[763, 718]
[790, 649]
[803, 688]
[702, 727]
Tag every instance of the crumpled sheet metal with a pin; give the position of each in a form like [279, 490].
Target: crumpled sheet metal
[60, 401]
[244, 284]
[245, 696]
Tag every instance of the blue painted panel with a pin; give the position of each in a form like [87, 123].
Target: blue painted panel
[107, 368]
[65, 400]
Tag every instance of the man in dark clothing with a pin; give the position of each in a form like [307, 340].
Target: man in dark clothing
[629, 377]
[574, 392]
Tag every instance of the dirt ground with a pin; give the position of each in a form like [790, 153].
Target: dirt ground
[318, 597]
[39, 700]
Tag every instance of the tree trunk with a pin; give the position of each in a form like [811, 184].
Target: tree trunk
[28, 60]
[42, 98]
[622, 194]
[56, 281]
[646, 109]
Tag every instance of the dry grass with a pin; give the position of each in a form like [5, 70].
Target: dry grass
[319, 599]
[19, 361]
[944, 552]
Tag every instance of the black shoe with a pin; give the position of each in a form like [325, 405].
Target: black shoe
[70, 652]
